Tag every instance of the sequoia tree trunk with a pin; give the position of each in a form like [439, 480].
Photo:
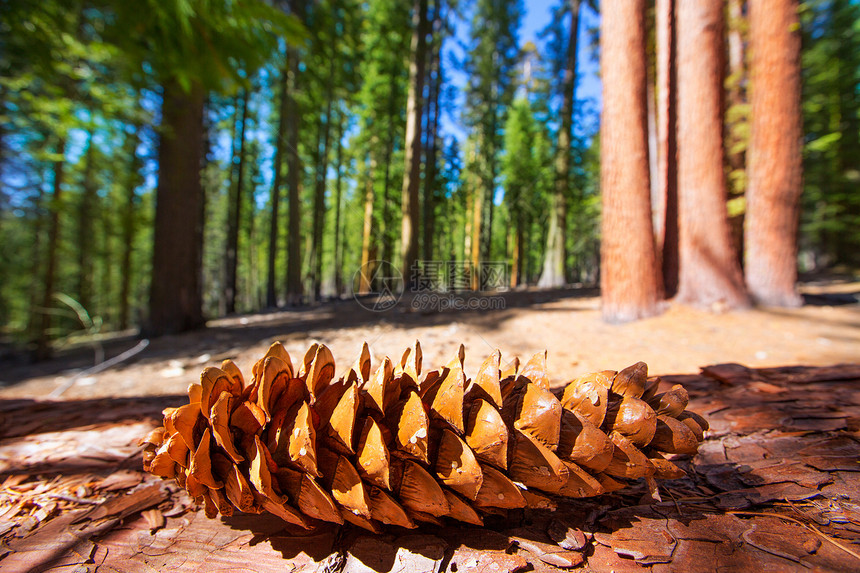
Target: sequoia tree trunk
[175, 299]
[709, 273]
[775, 160]
[630, 283]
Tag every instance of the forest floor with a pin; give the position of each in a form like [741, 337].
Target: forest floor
[774, 487]
[567, 323]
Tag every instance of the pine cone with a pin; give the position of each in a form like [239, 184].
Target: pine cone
[396, 447]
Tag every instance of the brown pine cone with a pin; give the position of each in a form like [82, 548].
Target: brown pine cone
[398, 446]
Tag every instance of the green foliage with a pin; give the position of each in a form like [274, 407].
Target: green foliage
[831, 113]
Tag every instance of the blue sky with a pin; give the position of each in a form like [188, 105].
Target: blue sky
[538, 14]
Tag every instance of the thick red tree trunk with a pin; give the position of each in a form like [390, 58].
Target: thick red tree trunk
[629, 281]
[709, 273]
[775, 161]
[175, 300]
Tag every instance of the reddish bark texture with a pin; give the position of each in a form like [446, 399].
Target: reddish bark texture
[629, 281]
[709, 273]
[775, 168]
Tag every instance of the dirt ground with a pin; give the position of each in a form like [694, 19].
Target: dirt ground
[567, 323]
[773, 487]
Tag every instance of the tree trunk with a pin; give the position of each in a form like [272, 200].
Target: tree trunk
[434, 79]
[175, 300]
[477, 213]
[86, 232]
[129, 227]
[555, 256]
[709, 272]
[367, 229]
[490, 186]
[386, 183]
[234, 214]
[775, 156]
[667, 166]
[338, 233]
[319, 196]
[43, 339]
[630, 284]
[517, 254]
[294, 238]
[409, 229]
[275, 197]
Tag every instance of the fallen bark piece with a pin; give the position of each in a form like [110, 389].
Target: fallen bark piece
[550, 554]
[567, 537]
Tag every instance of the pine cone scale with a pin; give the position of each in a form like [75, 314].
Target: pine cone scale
[395, 446]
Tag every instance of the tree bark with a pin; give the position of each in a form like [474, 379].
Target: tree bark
[294, 237]
[338, 183]
[86, 232]
[234, 214]
[319, 191]
[432, 137]
[553, 274]
[175, 300]
[477, 215]
[410, 208]
[275, 196]
[129, 226]
[43, 339]
[367, 228]
[709, 272]
[775, 155]
[667, 166]
[630, 284]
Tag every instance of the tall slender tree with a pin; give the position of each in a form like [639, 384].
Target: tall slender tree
[432, 112]
[234, 212]
[321, 177]
[410, 208]
[86, 228]
[294, 175]
[667, 166]
[553, 274]
[630, 285]
[338, 205]
[43, 347]
[709, 273]
[129, 223]
[275, 195]
[775, 160]
[491, 65]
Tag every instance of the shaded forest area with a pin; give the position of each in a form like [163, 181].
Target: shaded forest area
[166, 162]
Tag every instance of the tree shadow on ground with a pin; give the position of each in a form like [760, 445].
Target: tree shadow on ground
[224, 334]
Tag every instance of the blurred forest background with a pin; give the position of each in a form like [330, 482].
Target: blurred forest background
[163, 162]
